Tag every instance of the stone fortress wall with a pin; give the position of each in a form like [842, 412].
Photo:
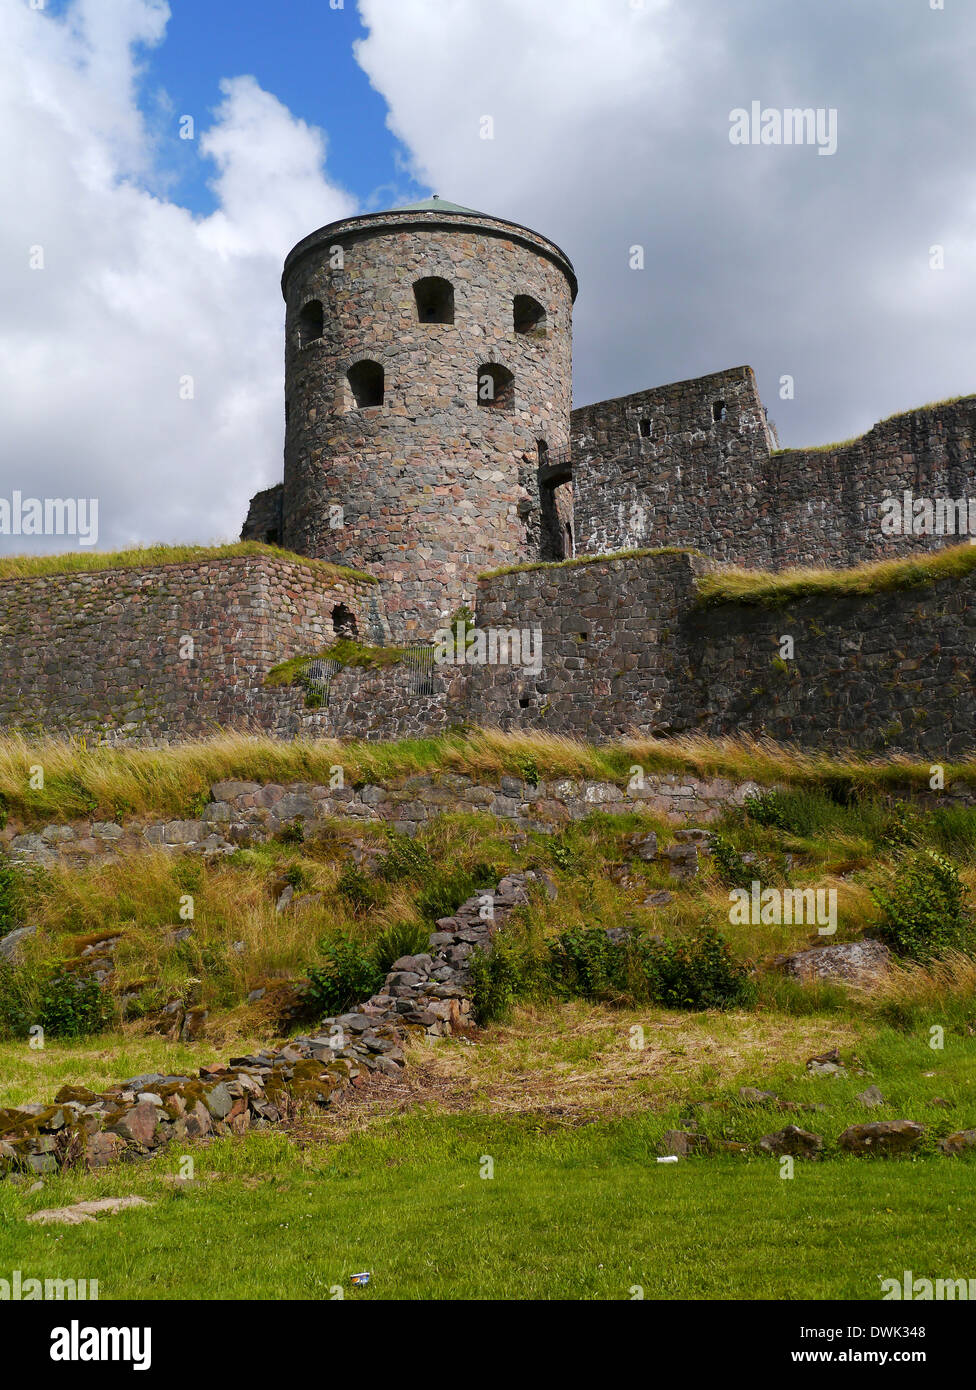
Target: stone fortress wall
[691, 464]
[395, 325]
[629, 646]
[394, 322]
[108, 652]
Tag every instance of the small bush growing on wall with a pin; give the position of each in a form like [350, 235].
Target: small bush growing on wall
[445, 894]
[405, 859]
[358, 889]
[904, 827]
[766, 808]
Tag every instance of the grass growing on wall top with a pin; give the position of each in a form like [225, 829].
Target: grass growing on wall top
[734, 585]
[885, 420]
[346, 653]
[138, 557]
[105, 783]
[589, 560]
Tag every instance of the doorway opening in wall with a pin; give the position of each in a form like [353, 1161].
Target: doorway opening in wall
[555, 503]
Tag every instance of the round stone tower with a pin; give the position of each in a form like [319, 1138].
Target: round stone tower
[428, 386]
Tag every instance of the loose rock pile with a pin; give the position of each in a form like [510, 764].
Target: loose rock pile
[427, 994]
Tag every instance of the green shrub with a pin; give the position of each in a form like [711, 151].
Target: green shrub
[347, 976]
[732, 868]
[922, 907]
[298, 876]
[358, 889]
[585, 962]
[498, 980]
[903, 828]
[568, 849]
[696, 972]
[402, 939]
[197, 803]
[444, 895]
[528, 769]
[73, 1006]
[292, 833]
[767, 808]
[406, 859]
[10, 898]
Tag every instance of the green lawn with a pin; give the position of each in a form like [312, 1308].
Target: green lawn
[578, 1213]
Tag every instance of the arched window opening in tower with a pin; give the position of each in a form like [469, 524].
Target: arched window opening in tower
[366, 384]
[310, 323]
[435, 300]
[344, 621]
[496, 386]
[719, 412]
[530, 317]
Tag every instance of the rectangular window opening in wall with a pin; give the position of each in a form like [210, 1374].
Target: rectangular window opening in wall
[645, 429]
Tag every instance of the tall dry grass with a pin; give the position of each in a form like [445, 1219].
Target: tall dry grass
[107, 782]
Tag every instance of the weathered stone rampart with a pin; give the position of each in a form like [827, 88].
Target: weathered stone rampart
[627, 646]
[690, 465]
[166, 651]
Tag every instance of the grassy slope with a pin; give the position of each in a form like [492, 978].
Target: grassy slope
[842, 847]
[570, 1112]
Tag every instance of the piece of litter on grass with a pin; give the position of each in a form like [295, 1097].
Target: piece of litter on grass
[361, 1278]
[671, 1158]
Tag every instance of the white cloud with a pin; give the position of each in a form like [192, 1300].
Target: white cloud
[136, 293]
[611, 128]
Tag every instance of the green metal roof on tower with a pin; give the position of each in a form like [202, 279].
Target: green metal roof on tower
[435, 204]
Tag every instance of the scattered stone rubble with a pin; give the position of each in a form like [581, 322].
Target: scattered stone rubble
[427, 994]
[884, 1137]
